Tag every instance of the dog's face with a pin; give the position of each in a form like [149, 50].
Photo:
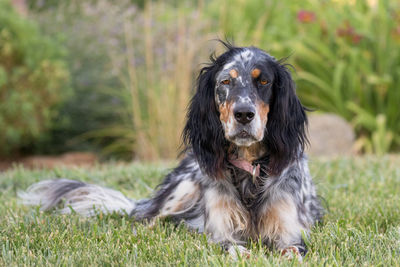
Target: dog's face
[242, 95]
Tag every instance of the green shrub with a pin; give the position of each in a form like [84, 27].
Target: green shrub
[130, 67]
[32, 80]
[89, 30]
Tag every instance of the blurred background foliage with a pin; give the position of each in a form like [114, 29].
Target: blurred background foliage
[33, 81]
[116, 76]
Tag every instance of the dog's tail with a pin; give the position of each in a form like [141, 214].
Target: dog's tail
[69, 195]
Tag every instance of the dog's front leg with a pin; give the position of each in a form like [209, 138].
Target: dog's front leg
[279, 226]
[226, 220]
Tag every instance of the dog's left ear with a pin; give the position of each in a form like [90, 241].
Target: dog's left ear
[287, 122]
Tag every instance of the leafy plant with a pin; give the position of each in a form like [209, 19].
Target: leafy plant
[89, 30]
[346, 54]
[132, 74]
[349, 66]
[33, 80]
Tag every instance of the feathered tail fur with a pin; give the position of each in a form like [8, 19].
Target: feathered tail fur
[69, 195]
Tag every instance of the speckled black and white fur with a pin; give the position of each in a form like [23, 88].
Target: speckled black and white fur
[244, 108]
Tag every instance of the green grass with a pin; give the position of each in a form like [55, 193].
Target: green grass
[361, 228]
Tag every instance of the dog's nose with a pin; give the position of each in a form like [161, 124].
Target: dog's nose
[244, 114]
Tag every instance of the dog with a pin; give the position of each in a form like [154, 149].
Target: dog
[244, 174]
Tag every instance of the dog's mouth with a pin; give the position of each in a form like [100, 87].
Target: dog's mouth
[243, 138]
[244, 135]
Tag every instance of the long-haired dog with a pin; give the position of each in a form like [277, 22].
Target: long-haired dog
[244, 175]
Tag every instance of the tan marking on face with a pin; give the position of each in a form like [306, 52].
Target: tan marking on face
[255, 73]
[262, 110]
[233, 73]
[225, 110]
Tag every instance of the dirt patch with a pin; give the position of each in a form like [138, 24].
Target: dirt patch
[49, 162]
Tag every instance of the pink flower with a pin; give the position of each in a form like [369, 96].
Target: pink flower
[305, 16]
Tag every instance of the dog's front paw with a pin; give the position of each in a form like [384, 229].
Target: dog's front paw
[291, 253]
[237, 251]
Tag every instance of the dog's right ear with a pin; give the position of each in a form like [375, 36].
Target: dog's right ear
[203, 132]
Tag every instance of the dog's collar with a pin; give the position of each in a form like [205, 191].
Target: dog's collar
[254, 170]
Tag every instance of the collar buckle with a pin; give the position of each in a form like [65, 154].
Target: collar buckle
[255, 173]
[254, 170]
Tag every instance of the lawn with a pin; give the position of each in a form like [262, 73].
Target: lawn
[361, 227]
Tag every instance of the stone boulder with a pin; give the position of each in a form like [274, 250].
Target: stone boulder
[330, 135]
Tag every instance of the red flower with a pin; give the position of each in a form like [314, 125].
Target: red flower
[356, 38]
[397, 30]
[305, 16]
[349, 33]
[396, 33]
[346, 31]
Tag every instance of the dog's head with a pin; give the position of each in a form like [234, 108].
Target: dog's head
[245, 97]
[243, 94]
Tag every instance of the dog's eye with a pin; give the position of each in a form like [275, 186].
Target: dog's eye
[226, 82]
[264, 82]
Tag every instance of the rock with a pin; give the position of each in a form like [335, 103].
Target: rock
[330, 135]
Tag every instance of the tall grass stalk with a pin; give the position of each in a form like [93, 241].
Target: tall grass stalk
[160, 87]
